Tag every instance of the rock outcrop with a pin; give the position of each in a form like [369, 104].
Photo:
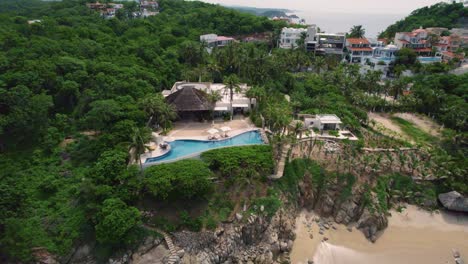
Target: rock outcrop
[329, 202]
[257, 239]
[454, 201]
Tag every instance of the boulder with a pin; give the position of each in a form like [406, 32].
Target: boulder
[454, 201]
[371, 223]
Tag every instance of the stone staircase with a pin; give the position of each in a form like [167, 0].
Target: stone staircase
[173, 258]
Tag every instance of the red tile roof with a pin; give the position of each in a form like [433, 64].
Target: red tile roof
[385, 41]
[360, 49]
[358, 41]
[423, 50]
[420, 30]
[222, 38]
[453, 55]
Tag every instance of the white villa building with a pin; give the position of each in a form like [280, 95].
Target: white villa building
[323, 122]
[290, 36]
[213, 40]
[197, 101]
[384, 55]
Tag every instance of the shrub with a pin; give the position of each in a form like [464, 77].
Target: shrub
[193, 224]
[247, 161]
[182, 179]
[295, 172]
[271, 204]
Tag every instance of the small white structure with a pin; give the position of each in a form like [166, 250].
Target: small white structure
[30, 22]
[323, 122]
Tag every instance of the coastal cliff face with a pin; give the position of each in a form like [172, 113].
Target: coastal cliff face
[252, 238]
[330, 203]
[256, 239]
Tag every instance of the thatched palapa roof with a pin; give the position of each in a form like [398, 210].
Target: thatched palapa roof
[454, 201]
[189, 99]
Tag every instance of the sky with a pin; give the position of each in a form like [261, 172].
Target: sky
[340, 15]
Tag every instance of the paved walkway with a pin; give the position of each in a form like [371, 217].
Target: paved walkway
[282, 163]
[173, 258]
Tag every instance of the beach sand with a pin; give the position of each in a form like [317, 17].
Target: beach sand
[414, 236]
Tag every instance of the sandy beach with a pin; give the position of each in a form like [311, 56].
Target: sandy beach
[414, 236]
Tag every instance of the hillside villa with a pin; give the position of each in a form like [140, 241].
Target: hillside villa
[290, 37]
[322, 43]
[191, 100]
[325, 126]
[109, 10]
[358, 50]
[213, 40]
[192, 134]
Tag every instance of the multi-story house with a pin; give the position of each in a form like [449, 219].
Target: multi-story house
[327, 43]
[331, 43]
[358, 50]
[107, 10]
[418, 40]
[149, 8]
[290, 37]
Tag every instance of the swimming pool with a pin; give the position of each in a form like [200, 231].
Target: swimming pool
[429, 59]
[188, 148]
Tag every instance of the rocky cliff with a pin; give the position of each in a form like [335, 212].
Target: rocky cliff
[329, 202]
[256, 239]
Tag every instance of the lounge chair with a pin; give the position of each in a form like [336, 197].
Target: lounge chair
[163, 145]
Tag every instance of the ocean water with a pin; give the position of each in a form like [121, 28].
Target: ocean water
[336, 16]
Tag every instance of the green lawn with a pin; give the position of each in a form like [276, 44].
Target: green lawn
[419, 136]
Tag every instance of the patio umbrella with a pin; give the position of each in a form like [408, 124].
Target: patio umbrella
[225, 129]
[212, 131]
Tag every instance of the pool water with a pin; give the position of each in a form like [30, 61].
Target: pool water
[187, 148]
[429, 59]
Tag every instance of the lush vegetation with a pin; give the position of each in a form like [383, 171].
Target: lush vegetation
[448, 15]
[248, 162]
[78, 92]
[183, 179]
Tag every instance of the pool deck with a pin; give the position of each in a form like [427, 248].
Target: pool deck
[185, 130]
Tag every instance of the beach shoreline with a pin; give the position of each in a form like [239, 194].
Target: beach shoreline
[413, 236]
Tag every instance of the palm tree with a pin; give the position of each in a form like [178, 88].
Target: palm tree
[319, 64]
[213, 97]
[167, 113]
[357, 32]
[301, 42]
[139, 139]
[232, 83]
[159, 111]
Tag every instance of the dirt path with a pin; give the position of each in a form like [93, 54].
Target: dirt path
[423, 122]
[385, 125]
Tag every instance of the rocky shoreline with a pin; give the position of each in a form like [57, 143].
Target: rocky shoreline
[329, 203]
[256, 238]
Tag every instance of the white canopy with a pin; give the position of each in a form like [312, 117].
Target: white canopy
[221, 108]
[225, 129]
[212, 131]
[240, 105]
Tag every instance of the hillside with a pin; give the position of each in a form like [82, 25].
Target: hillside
[438, 15]
[80, 96]
[267, 12]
